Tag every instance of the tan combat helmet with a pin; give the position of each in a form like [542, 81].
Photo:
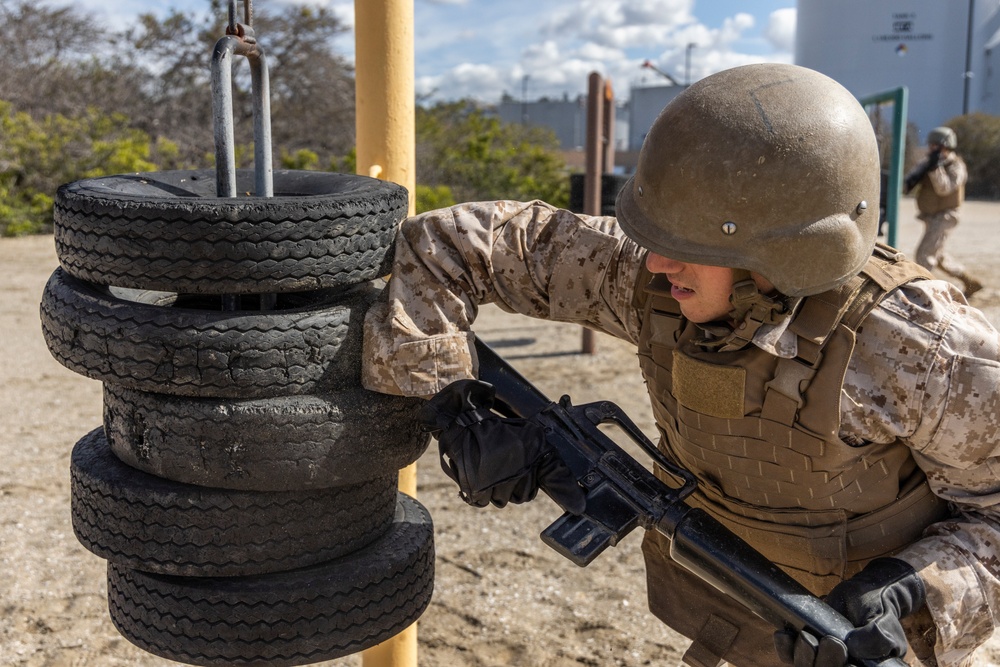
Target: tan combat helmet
[943, 136]
[769, 168]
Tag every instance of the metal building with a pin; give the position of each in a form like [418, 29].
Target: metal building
[943, 51]
[566, 117]
[645, 104]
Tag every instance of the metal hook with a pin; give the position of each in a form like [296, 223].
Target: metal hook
[240, 41]
[245, 29]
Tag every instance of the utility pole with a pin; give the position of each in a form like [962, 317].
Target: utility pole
[967, 75]
[524, 99]
[600, 156]
[687, 63]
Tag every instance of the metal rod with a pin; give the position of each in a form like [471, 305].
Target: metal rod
[240, 40]
[222, 112]
[900, 99]
[261, 124]
[222, 115]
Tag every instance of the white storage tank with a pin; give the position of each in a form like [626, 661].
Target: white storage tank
[941, 50]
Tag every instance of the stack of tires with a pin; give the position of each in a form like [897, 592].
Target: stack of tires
[243, 486]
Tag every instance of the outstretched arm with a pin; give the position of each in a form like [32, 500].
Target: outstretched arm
[528, 258]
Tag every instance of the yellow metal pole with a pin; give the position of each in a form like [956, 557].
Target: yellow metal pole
[384, 91]
[386, 145]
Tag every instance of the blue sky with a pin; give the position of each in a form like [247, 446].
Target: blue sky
[483, 48]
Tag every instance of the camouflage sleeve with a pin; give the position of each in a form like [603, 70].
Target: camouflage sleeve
[927, 369]
[948, 177]
[527, 258]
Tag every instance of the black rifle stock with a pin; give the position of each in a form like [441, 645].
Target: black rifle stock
[622, 494]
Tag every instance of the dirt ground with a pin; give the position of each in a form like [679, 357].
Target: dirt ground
[502, 598]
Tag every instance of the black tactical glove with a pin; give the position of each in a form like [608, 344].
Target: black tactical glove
[921, 170]
[874, 600]
[494, 459]
[932, 159]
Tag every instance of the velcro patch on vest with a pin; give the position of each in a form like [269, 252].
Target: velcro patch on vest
[717, 391]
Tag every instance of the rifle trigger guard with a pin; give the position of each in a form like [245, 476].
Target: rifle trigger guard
[604, 412]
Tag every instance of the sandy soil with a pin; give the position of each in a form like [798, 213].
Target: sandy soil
[502, 598]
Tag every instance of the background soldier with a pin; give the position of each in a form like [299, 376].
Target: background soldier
[939, 180]
[838, 406]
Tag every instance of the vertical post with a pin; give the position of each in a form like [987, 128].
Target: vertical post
[594, 159]
[899, 98]
[895, 184]
[384, 91]
[609, 129]
[524, 99]
[594, 165]
[967, 75]
[687, 63]
[385, 127]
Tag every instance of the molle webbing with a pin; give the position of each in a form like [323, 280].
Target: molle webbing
[930, 202]
[779, 453]
[769, 460]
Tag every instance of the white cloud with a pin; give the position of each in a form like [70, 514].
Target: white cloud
[599, 52]
[734, 27]
[481, 48]
[712, 49]
[670, 12]
[483, 82]
[613, 38]
[541, 56]
[620, 23]
[781, 29]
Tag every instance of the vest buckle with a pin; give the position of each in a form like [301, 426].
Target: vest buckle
[789, 378]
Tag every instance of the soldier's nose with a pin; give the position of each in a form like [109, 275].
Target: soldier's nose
[660, 264]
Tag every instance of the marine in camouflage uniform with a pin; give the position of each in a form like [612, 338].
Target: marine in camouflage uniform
[939, 182]
[916, 408]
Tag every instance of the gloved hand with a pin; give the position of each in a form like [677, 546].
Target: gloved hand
[921, 170]
[874, 600]
[932, 159]
[494, 459]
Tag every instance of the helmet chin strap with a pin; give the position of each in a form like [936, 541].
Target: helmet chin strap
[751, 310]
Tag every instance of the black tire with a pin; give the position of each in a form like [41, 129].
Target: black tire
[290, 618]
[169, 231]
[195, 352]
[157, 525]
[271, 444]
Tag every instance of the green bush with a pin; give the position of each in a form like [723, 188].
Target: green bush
[430, 198]
[463, 155]
[979, 145]
[480, 158]
[39, 155]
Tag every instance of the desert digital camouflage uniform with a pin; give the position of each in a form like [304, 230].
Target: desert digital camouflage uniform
[924, 371]
[939, 195]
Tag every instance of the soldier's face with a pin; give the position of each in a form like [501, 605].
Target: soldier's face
[702, 291]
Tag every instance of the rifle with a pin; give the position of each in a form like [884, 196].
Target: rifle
[920, 171]
[622, 495]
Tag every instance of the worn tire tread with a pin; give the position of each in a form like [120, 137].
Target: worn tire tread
[158, 525]
[169, 231]
[323, 612]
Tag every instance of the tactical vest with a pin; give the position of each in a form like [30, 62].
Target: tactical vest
[930, 202]
[762, 434]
